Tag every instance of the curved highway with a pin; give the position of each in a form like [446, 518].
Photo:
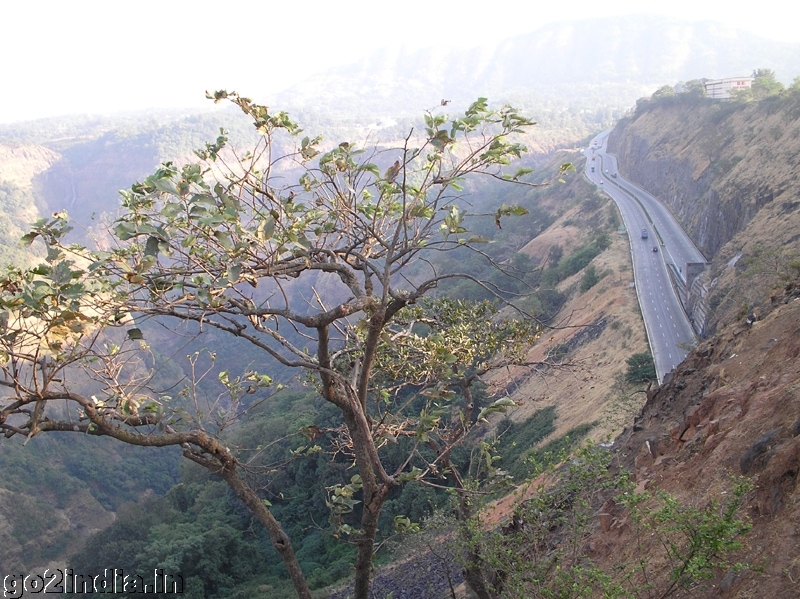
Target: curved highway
[657, 243]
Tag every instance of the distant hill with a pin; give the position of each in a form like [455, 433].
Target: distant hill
[574, 78]
[611, 61]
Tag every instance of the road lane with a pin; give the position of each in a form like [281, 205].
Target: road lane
[668, 329]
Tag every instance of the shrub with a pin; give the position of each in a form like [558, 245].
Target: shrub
[641, 368]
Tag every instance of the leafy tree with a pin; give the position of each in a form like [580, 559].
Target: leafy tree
[697, 543]
[590, 278]
[191, 531]
[554, 255]
[781, 263]
[640, 368]
[17, 209]
[665, 91]
[765, 84]
[316, 261]
[577, 260]
[544, 551]
[695, 88]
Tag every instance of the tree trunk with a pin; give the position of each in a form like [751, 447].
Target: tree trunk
[376, 485]
[278, 537]
[475, 569]
[366, 545]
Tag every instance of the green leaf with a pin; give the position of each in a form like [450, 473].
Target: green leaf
[224, 239]
[134, 334]
[266, 229]
[151, 247]
[125, 231]
[421, 211]
[166, 186]
[512, 210]
[498, 406]
[405, 477]
[171, 210]
[234, 270]
[28, 239]
[521, 172]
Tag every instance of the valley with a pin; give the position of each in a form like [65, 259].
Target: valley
[567, 259]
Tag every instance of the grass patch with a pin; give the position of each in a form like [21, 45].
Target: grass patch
[517, 442]
[517, 439]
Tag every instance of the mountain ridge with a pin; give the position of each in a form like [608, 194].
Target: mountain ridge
[551, 62]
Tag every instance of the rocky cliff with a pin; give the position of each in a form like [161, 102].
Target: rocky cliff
[730, 172]
[716, 165]
[732, 408]
[20, 163]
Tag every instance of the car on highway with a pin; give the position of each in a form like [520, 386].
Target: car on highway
[655, 249]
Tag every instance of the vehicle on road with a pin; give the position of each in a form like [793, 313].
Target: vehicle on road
[644, 234]
[655, 249]
[592, 169]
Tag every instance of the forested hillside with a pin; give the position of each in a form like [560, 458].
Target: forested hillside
[20, 200]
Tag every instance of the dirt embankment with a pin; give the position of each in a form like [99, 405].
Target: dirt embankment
[732, 408]
[595, 333]
[19, 164]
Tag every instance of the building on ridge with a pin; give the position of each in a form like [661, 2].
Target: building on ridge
[720, 89]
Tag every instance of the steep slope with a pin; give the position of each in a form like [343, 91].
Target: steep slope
[732, 408]
[20, 164]
[730, 172]
[79, 164]
[716, 165]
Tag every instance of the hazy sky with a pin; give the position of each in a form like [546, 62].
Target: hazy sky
[85, 56]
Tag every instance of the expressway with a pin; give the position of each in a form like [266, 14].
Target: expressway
[666, 246]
